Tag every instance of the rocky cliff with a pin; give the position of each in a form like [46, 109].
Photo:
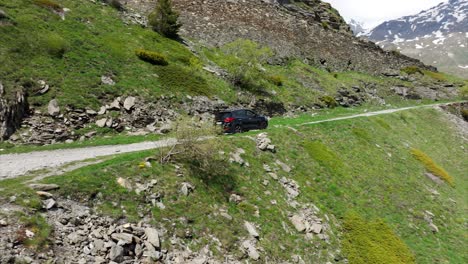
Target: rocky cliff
[12, 111]
[309, 29]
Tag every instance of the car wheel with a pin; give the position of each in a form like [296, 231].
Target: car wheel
[238, 129]
[263, 125]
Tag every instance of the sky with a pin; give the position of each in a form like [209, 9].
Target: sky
[374, 12]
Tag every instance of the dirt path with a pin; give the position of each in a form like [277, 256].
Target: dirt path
[14, 165]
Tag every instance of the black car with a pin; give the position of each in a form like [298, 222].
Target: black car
[237, 121]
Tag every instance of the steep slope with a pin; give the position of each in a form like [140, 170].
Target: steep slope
[351, 191]
[78, 65]
[310, 29]
[438, 36]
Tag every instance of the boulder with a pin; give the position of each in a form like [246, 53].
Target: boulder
[116, 253]
[252, 252]
[129, 103]
[102, 110]
[115, 105]
[153, 237]
[107, 80]
[298, 223]
[43, 194]
[101, 122]
[44, 187]
[122, 238]
[53, 108]
[49, 204]
[251, 229]
[186, 188]
[283, 166]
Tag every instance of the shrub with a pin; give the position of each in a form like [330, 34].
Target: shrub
[163, 19]
[115, 4]
[464, 92]
[410, 70]
[48, 4]
[152, 57]
[55, 45]
[198, 149]
[276, 80]
[41, 229]
[323, 155]
[325, 25]
[179, 79]
[329, 101]
[435, 75]
[464, 114]
[373, 242]
[431, 166]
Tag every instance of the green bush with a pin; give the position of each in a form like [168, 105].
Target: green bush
[431, 166]
[152, 57]
[55, 45]
[323, 155]
[179, 79]
[464, 92]
[435, 75]
[464, 113]
[373, 242]
[163, 19]
[276, 80]
[48, 4]
[410, 70]
[329, 101]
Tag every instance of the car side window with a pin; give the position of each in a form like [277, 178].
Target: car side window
[240, 113]
[250, 113]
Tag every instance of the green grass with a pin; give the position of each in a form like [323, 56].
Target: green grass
[373, 242]
[362, 165]
[432, 167]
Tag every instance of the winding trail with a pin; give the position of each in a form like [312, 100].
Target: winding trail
[14, 165]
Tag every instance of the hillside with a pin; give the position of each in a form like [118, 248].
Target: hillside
[313, 200]
[71, 71]
[437, 36]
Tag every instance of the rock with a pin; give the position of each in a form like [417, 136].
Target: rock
[116, 253]
[115, 105]
[53, 108]
[44, 187]
[43, 194]
[165, 128]
[234, 198]
[251, 229]
[252, 252]
[291, 187]
[298, 223]
[101, 122]
[434, 228]
[122, 238]
[317, 228]
[49, 204]
[153, 237]
[102, 110]
[109, 122]
[44, 87]
[107, 80]
[29, 233]
[3, 222]
[236, 157]
[91, 112]
[2, 91]
[186, 188]
[75, 238]
[124, 183]
[283, 166]
[264, 143]
[129, 103]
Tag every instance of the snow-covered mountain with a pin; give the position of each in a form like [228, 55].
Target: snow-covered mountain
[356, 26]
[437, 36]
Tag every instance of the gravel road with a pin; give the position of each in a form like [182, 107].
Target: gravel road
[14, 165]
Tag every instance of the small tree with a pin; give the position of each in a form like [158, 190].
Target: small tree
[163, 19]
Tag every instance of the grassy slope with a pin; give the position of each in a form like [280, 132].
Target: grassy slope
[364, 166]
[93, 41]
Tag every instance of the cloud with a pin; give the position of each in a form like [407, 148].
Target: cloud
[374, 12]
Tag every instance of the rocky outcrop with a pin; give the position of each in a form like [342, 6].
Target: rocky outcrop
[12, 110]
[309, 29]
